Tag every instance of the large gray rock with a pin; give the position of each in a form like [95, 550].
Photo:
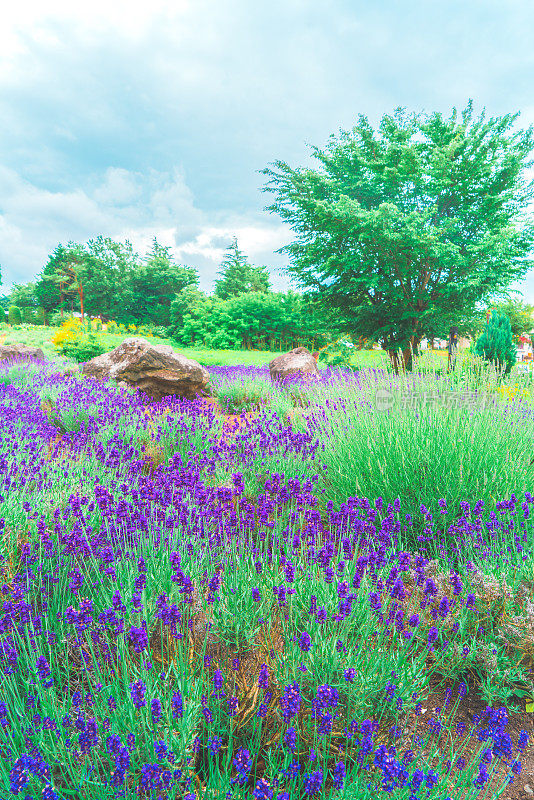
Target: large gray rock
[297, 362]
[154, 369]
[20, 352]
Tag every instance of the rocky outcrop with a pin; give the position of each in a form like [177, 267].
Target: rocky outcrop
[20, 352]
[297, 362]
[154, 369]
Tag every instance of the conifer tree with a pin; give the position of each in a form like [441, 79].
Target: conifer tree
[237, 276]
[496, 344]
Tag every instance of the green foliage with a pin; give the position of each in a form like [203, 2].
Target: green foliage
[115, 283]
[22, 295]
[405, 437]
[14, 315]
[2, 316]
[237, 276]
[338, 353]
[82, 348]
[496, 344]
[28, 315]
[407, 228]
[251, 320]
[154, 284]
[519, 314]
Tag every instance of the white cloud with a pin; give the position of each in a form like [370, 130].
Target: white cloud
[142, 119]
[122, 205]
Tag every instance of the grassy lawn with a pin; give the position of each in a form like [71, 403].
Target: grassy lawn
[41, 336]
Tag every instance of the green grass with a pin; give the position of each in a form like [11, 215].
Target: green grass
[41, 336]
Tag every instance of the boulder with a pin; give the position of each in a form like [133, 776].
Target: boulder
[20, 352]
[154, 369]
[297, 362]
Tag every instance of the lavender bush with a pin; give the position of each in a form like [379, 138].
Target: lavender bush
[187, 612]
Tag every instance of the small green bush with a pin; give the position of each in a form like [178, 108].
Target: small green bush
[14, 315]
[339, 353]
[83, 348]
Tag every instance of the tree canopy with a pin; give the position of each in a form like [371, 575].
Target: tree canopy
[113, 281]
[238, 276]
[407, 229]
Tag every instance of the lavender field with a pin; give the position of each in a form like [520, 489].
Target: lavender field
[278, 593]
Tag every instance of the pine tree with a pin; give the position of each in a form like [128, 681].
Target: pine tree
[237, 276]
[496, 343]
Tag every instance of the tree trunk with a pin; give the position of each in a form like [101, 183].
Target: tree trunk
[407, 358]
[80, 292]
[403, 359]
[394, 356]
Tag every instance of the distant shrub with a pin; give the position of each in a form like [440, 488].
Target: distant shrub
[338, 353]
[14, 315]
[83, 348]
[71, 328]
[56, 318]
[72, 341]
[2, 316]
[39, 316]
[112, 327]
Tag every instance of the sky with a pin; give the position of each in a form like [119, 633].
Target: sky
[138, 121]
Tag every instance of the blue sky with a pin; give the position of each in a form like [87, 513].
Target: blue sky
[134, 122]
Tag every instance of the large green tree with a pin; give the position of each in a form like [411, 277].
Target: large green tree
[60, 284]
[407, 228]
[238, 276]
[155, 283]
[23, 295]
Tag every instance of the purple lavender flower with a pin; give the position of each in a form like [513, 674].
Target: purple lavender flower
[138, 693]
[214, 744]
[218, 680]
[432, 635]
[263, 790]
[290, 701]
[263, 679]
[313, 782]
[242, 763]
[156, 710]
[290, 739]
[177, 705]
[44, 673]
[339, 775]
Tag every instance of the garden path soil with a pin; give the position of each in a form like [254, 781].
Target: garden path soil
[467, 710]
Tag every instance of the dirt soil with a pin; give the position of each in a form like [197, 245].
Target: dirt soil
[468, 709]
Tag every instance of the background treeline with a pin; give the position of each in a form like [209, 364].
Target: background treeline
[108, 279]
